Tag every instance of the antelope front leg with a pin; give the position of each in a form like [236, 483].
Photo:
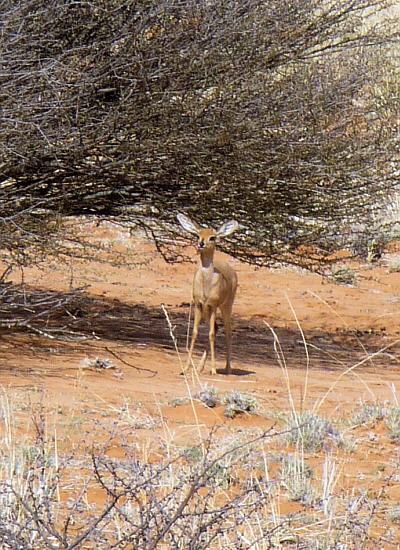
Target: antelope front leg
[227, 318]
[196, 323]
[212, 340]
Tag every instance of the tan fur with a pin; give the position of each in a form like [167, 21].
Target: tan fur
[214, 287]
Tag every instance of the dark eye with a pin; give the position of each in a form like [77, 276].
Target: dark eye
[211, 238]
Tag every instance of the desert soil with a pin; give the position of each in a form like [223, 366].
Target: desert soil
[340, 344]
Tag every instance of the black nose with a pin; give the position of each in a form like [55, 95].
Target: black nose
[201, 244]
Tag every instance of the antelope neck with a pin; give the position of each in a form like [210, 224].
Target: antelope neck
[207, 258]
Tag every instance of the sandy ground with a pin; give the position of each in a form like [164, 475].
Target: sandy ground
[321, 327]
[340, 346]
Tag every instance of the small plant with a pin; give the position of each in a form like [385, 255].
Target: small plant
[237, 403]
[392, 422]
[394, 266]
[368, 412]
[296, 476]
[136, 417]
[32, 455]
[193, 454]
[209, 396]
[220, 475]
[375, 412]
[310, 431]
[393, 515]
[370, 242]
[177, 401]
[376, 248]
[97, 364]
[343, 276]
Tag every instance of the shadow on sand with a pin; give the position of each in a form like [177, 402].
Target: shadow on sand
[253, 343]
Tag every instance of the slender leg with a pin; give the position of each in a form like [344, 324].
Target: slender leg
[227, 319]
[212, 340]
[203, 360]
[196, 323]
[205, 354]
[206, 318]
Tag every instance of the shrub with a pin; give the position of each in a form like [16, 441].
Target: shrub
[295, 477]
[394, 266]
[393, 514]
[284, 117]
[209, 396]
[97, 364]
[368, 412]
[344, 276]
[392, 421]
[237, 403]
[310, 431]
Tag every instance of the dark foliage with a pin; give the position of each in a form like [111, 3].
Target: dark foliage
[279, 114]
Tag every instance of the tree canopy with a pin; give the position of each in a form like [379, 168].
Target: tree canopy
[281, 115]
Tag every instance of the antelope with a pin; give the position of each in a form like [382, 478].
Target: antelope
[214, 287]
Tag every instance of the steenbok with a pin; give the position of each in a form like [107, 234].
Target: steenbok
[214, 287]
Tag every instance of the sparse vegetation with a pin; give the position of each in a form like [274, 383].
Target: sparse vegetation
[209, 396]
[135, 416]
[343, 275]
[98, 364]
[238, 403]
[392, 421]
[194, 454]
[310, 432]
[178, 401]
[225, 479]
[119, 114]
[296, 479]
[394, 265]
[286, 120]
[234, 402]
[393, 514]
[31, 513]
[366, 413]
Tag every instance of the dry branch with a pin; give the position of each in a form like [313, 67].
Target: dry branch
[280, 115]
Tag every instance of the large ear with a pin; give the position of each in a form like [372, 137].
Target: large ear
[227, 228]
[187, 224]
